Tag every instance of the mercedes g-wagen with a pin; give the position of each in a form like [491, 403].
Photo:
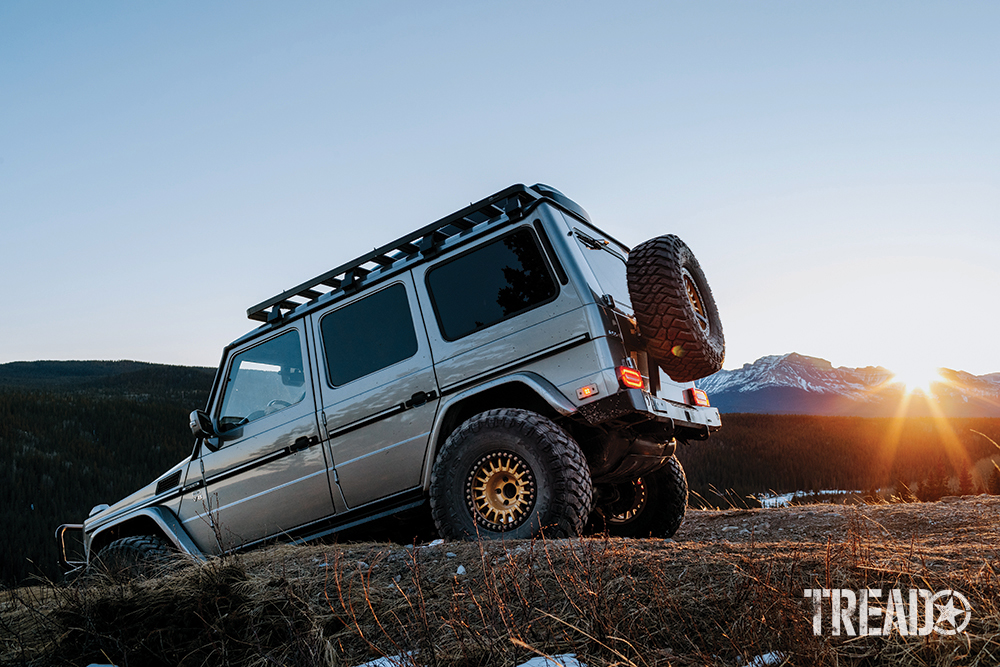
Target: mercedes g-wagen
[511, 368]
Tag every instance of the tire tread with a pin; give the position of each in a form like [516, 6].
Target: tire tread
[573, 490]
[664, 312]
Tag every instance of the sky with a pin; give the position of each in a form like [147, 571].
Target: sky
[835, 167]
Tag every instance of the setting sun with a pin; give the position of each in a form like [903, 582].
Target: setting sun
[917, 378]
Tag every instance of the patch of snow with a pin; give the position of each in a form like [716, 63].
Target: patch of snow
[764, 660]
[564, 660]
[775, 500]
[404, 660]
[435, 543]
[786, 499]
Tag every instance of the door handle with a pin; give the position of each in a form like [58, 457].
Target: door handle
[420, 398]
[303, 443]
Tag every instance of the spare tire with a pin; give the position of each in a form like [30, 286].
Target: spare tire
[674, 308]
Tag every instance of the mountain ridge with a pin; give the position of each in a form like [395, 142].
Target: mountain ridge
[795, 383]
[121, 376]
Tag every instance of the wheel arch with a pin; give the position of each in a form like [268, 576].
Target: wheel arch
[527, 391]
[147, 521]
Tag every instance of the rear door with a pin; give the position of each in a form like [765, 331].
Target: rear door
[498, 305]
[378, 393]
[270, 473]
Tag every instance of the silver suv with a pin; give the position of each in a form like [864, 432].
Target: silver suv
[511, 367]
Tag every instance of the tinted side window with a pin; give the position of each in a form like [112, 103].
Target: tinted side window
[263, 379]
[497, 281]
[368, 335]
[608, 262]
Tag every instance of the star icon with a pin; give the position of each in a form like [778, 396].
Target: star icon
[946, 621]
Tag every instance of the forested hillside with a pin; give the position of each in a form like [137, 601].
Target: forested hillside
[76, 434]
[784, 453]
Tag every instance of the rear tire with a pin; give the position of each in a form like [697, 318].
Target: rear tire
[651, 506]
[675, 309]
[136, 556]
[513, 474]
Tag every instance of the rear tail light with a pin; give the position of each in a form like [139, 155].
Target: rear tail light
[630, 378]
[698, 397]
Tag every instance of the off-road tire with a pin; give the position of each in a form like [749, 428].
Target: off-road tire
[652, 506]
[138, 555]
[513, 474]
[675, 309]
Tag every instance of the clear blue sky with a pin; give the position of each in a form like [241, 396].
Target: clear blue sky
[835, 166]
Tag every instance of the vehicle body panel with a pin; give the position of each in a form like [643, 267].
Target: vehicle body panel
[270, 479]
[378, 425]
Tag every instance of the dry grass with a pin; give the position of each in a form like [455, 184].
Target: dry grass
[713, 597]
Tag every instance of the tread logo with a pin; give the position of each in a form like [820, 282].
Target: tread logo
[946, 612]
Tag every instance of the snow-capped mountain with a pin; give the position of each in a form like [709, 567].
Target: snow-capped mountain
[797, 384]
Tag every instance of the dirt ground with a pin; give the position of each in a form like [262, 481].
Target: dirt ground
[940, 536]
[728, 587]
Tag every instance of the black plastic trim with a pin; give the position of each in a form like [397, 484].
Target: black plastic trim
[349, 519]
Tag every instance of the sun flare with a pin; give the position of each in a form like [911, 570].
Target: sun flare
[917, 378]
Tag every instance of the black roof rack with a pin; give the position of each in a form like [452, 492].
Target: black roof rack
[511, 203]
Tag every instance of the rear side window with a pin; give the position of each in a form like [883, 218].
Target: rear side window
[492, 283]
[608, 260]
[368, 335]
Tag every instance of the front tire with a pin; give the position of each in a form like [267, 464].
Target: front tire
[137, 555]
[510, 473]
[651, 506]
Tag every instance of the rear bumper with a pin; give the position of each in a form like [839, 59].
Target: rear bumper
[632, 407]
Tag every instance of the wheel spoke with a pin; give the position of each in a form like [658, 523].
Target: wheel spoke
[502, 492]
[631, 504]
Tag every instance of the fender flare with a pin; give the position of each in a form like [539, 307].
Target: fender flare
[167, 522]
[534, 382]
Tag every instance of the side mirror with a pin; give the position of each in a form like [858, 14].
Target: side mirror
[201, 425]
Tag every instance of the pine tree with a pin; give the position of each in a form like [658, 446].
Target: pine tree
[965, 481]
[937, 486]
[923, 490]
[993, 487]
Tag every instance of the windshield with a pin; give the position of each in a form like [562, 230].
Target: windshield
[606, 258]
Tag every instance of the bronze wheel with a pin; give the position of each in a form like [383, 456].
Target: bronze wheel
[652, 506]
[630, 504]
[512, 474]
[500, 491]
[695, 299]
